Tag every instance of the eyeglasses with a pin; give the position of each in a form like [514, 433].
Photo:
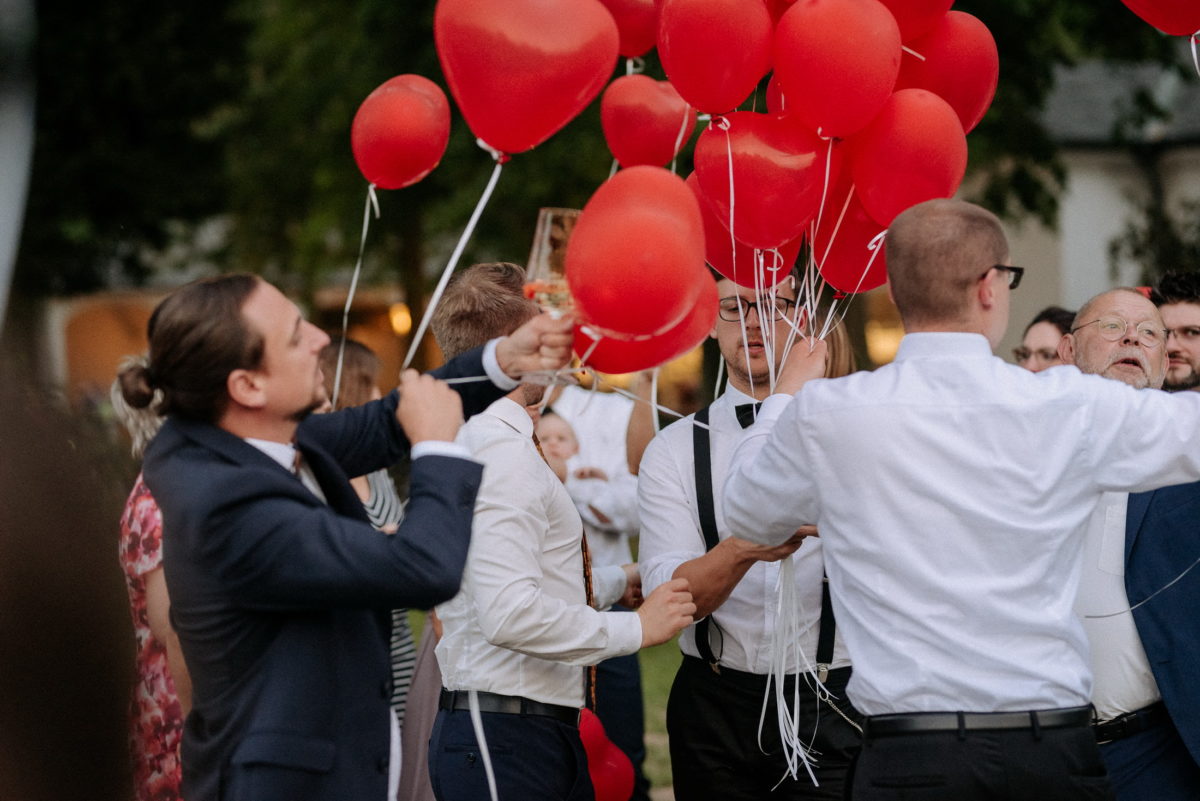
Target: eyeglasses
[734, 308]
[1185, 333]
[1113, 328]
[1014, 274]
[1023, 354]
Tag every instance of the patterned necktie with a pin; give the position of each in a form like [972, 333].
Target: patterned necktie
[589, 676]
[747, 413]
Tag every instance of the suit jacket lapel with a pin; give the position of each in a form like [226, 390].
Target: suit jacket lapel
[338, 492]
[1135, 513]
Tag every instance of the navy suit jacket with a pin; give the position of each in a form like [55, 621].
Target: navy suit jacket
[1162, 538]
[281, 600]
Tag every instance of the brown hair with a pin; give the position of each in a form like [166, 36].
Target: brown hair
[482, 302]
[840, 360]
[936, 252]
[360, 370]
[198, 336]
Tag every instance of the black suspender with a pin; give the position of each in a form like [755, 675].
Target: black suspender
[708, 519]
[702, 459]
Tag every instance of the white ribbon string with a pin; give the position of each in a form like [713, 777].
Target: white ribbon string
[372, 203]
[912, 52]
[1147, 599]
[458, 251]
[477, 724]
[687, 122]
[654, 396]
[1195, 55]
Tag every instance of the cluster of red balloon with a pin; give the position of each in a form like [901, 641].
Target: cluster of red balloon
[868, 106]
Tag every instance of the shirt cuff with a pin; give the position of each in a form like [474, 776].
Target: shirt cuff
[492, 367]
[608, 585]
[624, 632]
[439, 447]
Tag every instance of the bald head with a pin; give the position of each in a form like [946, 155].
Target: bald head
[1118, 334]
[936, 253]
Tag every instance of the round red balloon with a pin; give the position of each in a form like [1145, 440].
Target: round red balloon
[837, 62]
[522, 69]
[961, 65]
[917, 17]
[609, 355]
[400, 131]
[914, 151]
[714, 51]
[637, 22]
[1174, 17]
[645, 121]
[779, 173]
[736, 260]
[841, 245]
[635, 260]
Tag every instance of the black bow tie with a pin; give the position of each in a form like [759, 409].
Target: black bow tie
[747, 413]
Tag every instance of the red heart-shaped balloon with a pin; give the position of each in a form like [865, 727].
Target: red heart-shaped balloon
[610, 770]
[1174, 17]
[637, 21]
[714, 51]
[837, 62]
[645, 121]
[400, 131]
[958, 62]
[522, 69]
[635, 260]
[736, 260]
[779, 173]
[914, 151]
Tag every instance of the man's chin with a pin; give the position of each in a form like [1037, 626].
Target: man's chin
[1190, 380]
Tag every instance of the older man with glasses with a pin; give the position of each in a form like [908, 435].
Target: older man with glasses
[1140, 622]
[953, 492]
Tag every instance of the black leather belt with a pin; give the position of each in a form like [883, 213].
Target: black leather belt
[1130, 723]
[507, 705]
[928, 722]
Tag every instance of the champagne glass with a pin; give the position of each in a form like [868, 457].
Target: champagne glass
[546, 277]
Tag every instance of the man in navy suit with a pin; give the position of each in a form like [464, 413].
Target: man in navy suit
[280, 588]
[1145, 660]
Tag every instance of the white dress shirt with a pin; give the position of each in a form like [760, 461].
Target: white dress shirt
[671, 535]
[1123, 681]
[952, 491]
[599, 420]
[521, 624]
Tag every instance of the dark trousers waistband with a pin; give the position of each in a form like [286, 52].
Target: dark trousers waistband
[756, 680]
[962, 722]
[507, 705]
[1130, 723]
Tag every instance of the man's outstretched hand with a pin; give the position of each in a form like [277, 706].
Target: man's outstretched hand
[542, 343]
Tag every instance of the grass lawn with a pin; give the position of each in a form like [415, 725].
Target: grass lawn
[659, 665]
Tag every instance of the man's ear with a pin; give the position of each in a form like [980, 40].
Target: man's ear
[247, 388]
[986, 292]
[1066, 349]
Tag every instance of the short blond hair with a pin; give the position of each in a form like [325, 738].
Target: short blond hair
[936, 252]
[482, 302]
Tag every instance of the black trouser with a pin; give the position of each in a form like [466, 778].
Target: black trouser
[712, 721]
[1050, 764]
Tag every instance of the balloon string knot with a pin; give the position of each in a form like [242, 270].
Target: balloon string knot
[720, 121]
[497, 156]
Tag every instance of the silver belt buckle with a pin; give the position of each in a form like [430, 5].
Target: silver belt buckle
[822, 673]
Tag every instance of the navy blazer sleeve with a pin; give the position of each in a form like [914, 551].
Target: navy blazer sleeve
[366, 438]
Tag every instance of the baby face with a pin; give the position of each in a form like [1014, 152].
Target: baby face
[557, 437]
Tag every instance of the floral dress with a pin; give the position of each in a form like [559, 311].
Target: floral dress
[156, 716]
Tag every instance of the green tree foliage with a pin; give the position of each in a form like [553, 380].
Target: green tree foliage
[122, 92]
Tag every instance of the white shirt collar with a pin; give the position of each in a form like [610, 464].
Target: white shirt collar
[513, 414]
[282, 452]
[943, 344]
